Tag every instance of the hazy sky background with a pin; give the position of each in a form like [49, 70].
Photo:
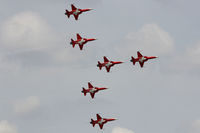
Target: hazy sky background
[42, 75]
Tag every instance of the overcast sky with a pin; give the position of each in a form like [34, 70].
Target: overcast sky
[42, 75]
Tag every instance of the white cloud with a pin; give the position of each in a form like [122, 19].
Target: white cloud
[27, 105]
[28, 41]
[26, 30]
[121, 130]
[150, 38]
[187, 60]
[5, 127]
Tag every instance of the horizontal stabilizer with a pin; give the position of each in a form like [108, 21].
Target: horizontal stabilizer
[84, 91]
[133, 60]
[67, 13]
[92, 122]
[99, 65]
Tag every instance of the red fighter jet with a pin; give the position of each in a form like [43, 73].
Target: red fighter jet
[100, 121]
[76, 12]
[141, 59]
[80, 41]
[107, 64]
[92, 90]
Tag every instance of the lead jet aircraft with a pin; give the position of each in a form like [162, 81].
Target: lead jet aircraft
[141, 59]
[100, 121]
[107, 64]
[92, 90]
[80, 41]
[76, 12]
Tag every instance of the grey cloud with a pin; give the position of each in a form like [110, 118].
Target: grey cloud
[31, 58]
[27, 105]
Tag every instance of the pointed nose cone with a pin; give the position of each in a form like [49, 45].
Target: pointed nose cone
[104, 88]
[113, 119]
[90, 9]
[119, 62]
[93, 39]
[154, 57]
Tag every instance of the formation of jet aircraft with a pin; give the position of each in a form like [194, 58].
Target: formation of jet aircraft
[80, 41]
[76, 12]
[101, 121]
[92, 90]
[107, 64]
[141, 59]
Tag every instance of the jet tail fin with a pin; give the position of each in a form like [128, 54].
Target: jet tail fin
[72, 43]
[133, 60]
[84, 91]
[67, 13]
[99, 65]
[92, 122]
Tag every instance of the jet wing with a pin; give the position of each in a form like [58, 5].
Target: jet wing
[90, 85]
[101, 126]
[108, 69]
[81, 47]
[141, 64]
[92, 95]
[78, 36]
[98, 117]
[105, 59]
[73, 7]
[76, 16]
[139, 54]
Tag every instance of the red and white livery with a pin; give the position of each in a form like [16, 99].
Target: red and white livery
[141, 59]
[76, 12]
[92, 90]
[80, 41]
[107, 64]
[101, 121]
